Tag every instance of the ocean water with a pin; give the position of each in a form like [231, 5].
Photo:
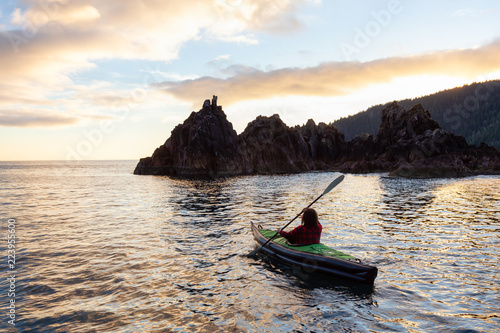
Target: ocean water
[98, 249]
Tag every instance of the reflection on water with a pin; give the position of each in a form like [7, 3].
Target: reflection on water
[100, 249]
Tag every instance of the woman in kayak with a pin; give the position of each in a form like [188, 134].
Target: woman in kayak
[309, 232]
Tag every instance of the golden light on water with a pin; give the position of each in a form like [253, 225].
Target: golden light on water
[99, 243]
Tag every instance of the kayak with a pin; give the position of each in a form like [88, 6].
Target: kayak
[315, 258]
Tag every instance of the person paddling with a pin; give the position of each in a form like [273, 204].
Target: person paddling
[309, 232]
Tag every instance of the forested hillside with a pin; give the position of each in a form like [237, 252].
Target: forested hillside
[472, 111]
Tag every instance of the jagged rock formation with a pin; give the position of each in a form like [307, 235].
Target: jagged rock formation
[205, 145]
[408, 144]
[271, 146]
[325, 143]
[411, 144]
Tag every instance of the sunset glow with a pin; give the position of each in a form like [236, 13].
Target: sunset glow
[110, 79]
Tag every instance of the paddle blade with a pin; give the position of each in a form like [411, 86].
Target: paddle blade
[337, 181]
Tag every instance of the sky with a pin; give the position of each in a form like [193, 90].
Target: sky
[102, 80]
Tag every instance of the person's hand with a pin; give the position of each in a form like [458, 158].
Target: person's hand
[278, 230]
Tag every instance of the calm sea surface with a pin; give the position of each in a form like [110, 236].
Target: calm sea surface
[99, 249]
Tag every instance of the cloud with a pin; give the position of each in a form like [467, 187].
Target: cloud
[336, 78]
[146, 29]
[240, 39]
[39, 118]
[468, 12]
[157, 74]
[223, 57]
[46, 44]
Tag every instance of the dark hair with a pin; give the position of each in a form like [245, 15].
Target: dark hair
[310, 218]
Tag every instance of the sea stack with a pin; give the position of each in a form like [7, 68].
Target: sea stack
[204, 146]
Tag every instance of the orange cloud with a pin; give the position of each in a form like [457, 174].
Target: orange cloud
[337, 78]
[39, 118]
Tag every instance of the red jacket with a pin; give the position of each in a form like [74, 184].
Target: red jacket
[303, 235]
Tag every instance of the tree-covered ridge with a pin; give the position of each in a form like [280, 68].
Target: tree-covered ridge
[472, 111]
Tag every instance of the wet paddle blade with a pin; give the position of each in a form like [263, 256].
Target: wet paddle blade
[337, 181]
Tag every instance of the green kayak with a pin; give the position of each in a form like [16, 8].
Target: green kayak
[315, 258]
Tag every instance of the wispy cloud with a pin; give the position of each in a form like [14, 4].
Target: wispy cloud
[223, 57]
[336, 78]
[38, 118]
[468, 12]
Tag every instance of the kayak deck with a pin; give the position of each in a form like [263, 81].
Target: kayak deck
[313, 248]
[315, 258]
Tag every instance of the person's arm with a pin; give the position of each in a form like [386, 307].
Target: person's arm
[292, 235]
[282, 233]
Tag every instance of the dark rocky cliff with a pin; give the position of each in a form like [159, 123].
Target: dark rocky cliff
[409, 143]
[270, 146]
[205, 145]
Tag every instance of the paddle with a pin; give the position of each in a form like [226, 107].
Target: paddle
[330, 187]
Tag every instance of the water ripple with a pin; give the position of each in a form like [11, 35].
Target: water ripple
[100, 249]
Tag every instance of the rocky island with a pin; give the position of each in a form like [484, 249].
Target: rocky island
[409, 143]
